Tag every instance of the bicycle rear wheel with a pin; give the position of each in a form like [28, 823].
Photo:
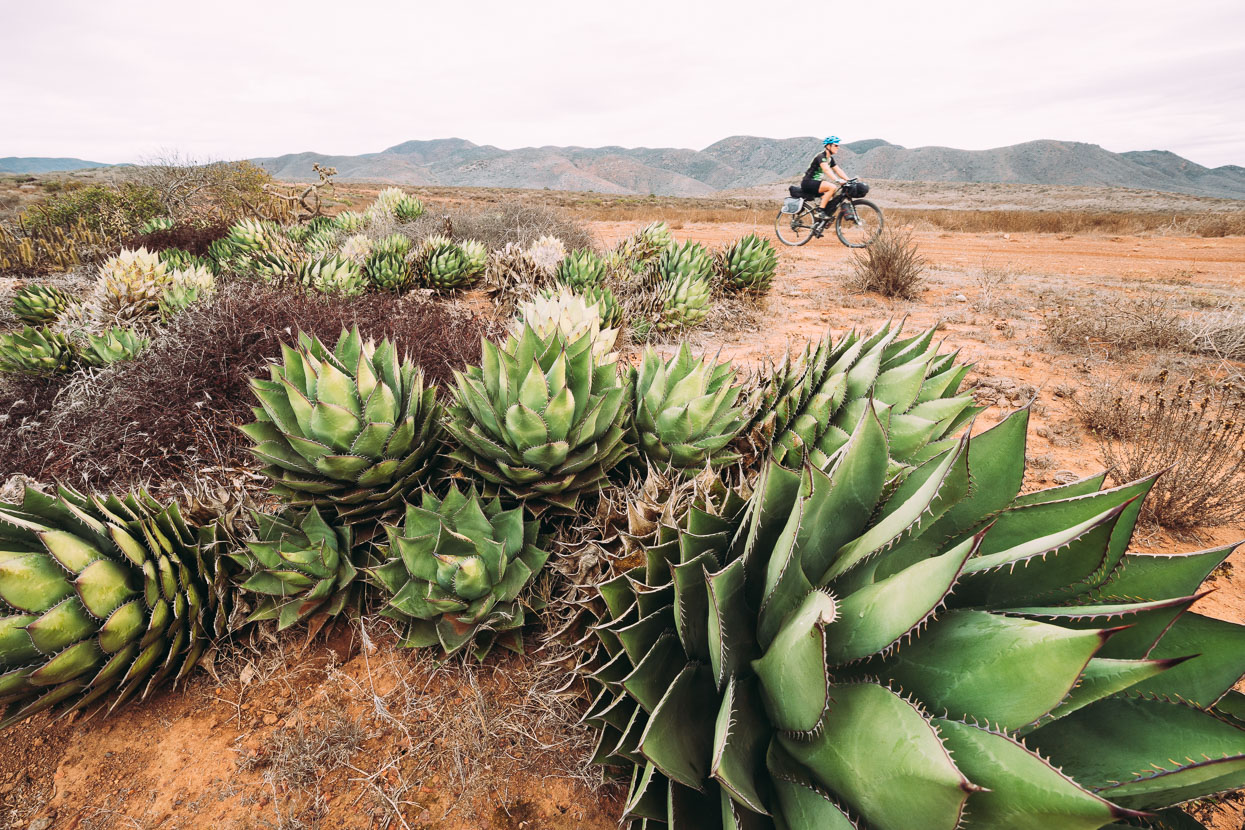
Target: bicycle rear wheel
[862, 230]
[794, 228]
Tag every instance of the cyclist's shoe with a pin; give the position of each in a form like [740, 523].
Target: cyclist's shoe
[820, 215]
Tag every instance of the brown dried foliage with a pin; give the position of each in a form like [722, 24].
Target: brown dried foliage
[892, 266]
[1193, 433]
[177, 408]
[497, 225]
[192, 238]
[1147, 322]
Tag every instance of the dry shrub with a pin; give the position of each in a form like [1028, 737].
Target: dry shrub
[892, 266]
[497, 225]
[192, 238]
[1194, 433]
[993, 282]
[1220, 333]
[1121, 325]
[176, 408]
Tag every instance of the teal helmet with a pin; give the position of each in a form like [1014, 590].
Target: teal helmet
[834, 139]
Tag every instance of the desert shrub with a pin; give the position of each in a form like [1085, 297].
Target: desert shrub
[115, 211]
[497, 225]
[1121, 325]
[177, 408]
[1220, 333]
[216, 191]
[1193, 433]
[892, 266]
[193, 238]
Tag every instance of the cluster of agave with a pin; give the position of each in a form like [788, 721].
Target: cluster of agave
[134, 292]
[865, 624]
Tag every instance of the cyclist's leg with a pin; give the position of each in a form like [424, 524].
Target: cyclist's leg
[828, 189]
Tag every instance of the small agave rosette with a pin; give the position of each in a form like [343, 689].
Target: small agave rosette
[455, 571]
[685, 413]
[789, 655]
[101, 599]
[39, 304]
[300, 565]
[352, 429]
[542, 418]
[570, 313]
[748, 265]
[36, 351]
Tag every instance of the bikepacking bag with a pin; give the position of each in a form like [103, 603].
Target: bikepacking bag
[792, 205]
[855, 190]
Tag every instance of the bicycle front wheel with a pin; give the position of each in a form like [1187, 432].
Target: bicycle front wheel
[794, 228]
[858, 223]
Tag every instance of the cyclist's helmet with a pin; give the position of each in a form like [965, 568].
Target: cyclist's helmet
[834, 139]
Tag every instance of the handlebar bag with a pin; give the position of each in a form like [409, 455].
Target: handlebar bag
[855, 190]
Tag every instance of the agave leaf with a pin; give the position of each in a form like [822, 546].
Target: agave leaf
[679, 736]
[1145, 753]
[1022, 791]
[915, 777]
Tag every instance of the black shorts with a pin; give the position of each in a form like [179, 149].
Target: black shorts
[811, 187]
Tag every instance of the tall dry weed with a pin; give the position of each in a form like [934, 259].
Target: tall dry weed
[1193, 433]
[892, 266]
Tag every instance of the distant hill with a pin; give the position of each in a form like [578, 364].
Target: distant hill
[18, 164]
[745, 161]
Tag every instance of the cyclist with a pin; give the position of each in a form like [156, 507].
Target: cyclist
[819, 178]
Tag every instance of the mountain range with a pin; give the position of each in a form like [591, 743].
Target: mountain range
[742, 162]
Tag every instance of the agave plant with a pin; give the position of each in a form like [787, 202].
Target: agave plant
[809, 403]
[542, 418]
[101, 599]
[39, 304]
[580, 270]
[685, 272]
[35, 351]
[748, 266]
[607, 304]
[299, 566]
[477, 257]
[356, 248]
[352, 429]
[548, 253]
[444, 265]
[156, 224]
[349, 221]
[321, 242]
[126, 292]
[455, 570]
[333, 275]
[568, 313]
[112, 346]
[644, 246]
[177, 259]
[685, 412]
[186, 287]
[1046, 679]
[387, 267]
[259, 248]
[392, 202]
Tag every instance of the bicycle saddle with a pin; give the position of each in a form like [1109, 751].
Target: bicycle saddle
[795, 191]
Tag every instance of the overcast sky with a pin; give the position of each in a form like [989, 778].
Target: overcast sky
[119, 80]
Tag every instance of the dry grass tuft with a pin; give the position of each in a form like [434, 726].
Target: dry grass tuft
[892, 266]
[498, 225]
[1220, 333]
[1193, 433]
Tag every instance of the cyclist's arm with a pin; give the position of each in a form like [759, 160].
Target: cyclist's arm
[838, 171]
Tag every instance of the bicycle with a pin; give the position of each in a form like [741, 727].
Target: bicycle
[857, 222]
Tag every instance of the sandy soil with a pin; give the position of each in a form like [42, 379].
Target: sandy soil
[218, 753]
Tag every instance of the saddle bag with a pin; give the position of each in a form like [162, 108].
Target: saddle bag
[792, 205]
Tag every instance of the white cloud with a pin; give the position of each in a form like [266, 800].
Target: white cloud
[114, 81]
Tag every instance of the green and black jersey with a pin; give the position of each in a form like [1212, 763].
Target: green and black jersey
[814, 169]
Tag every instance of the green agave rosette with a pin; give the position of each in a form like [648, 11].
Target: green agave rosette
[39, 304]
[112, 346]
[351, 430]
[455, 571]
[101, 599]
[387, 267]
[36, 351]
[444, 265]
[748, 266]
[685, 278]
[300, 565]
[847, 649]
[542, 418]
[332, 275]
[685, 413]
[808, 405]
[580, 270]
